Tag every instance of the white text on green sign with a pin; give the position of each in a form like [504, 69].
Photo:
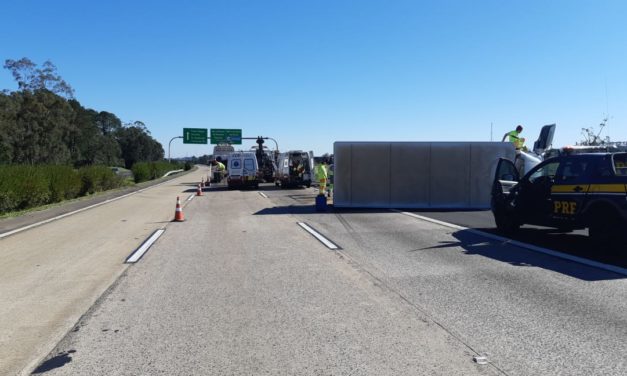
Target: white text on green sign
[226, 136]
[194, 135]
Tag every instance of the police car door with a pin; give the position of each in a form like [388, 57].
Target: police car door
[535, 193]
[505, 178]
[569, 190]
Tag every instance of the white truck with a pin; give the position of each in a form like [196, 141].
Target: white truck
[243, 170]
[294, 168]
[442, 175]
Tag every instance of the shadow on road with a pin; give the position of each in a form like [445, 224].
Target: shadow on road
[475, 245]
[290, 209]
[55, 362]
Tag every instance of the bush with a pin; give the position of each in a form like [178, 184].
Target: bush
[25, 186]
[141, 172]
[65, 183]
[98, 178]
[22, 187]
[144, 171]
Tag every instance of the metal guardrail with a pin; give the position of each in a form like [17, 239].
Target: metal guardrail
[172, 172]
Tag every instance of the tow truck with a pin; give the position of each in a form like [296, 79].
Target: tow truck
[567, 192]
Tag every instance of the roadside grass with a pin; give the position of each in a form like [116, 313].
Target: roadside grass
[12, 214]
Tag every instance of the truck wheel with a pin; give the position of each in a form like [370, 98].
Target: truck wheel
[506, 224]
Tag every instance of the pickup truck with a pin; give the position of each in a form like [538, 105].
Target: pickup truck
[567, 192]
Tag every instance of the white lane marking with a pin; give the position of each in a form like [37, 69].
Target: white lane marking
[191, 197]
[317, 235]
[531, 247]
[139, 252]
[263, 195]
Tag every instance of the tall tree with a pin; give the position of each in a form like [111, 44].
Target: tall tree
[30, 77]
[9, 107]
[138, 146]
[42, 129]
[108, 123]
[88, 145]
[42, 123]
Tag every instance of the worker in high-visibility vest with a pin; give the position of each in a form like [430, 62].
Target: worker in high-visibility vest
[321, 176]
[219, 171]
[514, 138]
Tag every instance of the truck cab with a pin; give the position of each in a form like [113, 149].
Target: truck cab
[566, 192]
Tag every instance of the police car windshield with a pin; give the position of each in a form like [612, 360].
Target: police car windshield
[620, 164]
[547, 170]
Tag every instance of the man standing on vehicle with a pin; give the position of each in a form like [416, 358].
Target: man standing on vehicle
[514, 138]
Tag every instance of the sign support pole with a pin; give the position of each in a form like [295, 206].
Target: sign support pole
[170, 144]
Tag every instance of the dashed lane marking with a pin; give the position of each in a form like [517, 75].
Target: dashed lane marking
[139, 252]
[329, 244]
[531, 247]
[263, 195]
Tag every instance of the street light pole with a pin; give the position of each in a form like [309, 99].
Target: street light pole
[275, 143]
[170, 144]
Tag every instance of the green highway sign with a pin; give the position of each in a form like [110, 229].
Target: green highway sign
[194, 135]
[226, 136]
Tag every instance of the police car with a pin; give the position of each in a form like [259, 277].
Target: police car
[567, 192]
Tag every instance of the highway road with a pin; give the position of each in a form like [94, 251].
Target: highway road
[51, 274]
[575, 243]
[241, 288]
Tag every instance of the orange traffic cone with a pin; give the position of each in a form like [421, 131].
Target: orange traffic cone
[178, 214]
[199, 191]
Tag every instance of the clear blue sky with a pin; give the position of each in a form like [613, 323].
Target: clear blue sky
[310, 72]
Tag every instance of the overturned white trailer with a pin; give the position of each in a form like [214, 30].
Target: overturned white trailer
[436, 175]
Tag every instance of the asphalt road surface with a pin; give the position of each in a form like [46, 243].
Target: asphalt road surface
[241, 288]
[51, 274]
[576, 243]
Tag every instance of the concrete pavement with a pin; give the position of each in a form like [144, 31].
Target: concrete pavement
[232, 292]
[50, 275]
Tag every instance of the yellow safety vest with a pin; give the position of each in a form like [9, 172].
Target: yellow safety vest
[515, 139]
[321, 172]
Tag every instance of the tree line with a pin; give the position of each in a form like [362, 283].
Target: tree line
[42, 123]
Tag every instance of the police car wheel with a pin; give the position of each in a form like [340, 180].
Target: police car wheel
[605, 229]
